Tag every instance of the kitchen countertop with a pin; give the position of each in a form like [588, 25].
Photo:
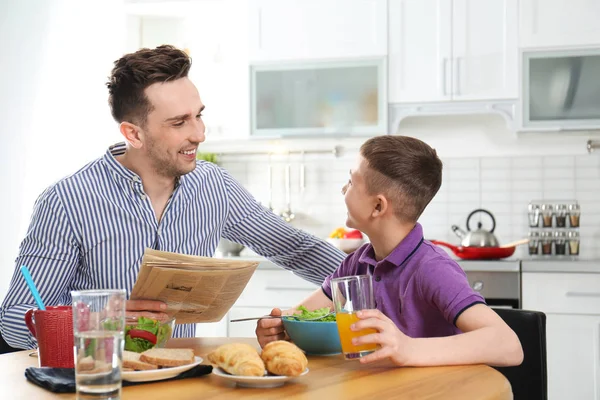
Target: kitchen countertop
[566, 265]
[510, 265]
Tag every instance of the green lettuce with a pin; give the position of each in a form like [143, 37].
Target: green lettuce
[162, 332]
[306, 314]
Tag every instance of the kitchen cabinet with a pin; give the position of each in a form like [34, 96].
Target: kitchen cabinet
[571, 302]
[245, 328]
[316, 29]
[215, 38]
[319, 98]
[448, 50]
[559, 23]
[213, 329]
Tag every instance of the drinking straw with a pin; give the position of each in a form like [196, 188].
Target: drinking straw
[34, 291]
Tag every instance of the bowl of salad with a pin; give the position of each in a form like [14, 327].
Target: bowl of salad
[318, 337]
[143, 333]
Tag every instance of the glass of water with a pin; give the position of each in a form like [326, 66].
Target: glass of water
[98, 326]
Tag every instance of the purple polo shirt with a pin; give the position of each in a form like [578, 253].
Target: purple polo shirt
[418, 286]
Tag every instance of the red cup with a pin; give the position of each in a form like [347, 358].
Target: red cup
[53, 329]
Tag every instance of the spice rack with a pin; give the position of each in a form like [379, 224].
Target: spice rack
[554, 228]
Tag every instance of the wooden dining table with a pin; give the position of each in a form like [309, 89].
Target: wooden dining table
[329, 377]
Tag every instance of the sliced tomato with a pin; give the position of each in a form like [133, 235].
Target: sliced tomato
[142, 334]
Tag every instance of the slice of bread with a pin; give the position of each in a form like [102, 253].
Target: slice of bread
[132, 360]
[168, 357]
[86, 364]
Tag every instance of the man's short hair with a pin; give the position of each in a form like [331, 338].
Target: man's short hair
[134, 72]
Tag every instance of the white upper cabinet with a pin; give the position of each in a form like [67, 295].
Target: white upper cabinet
[485, 49]
[452, 50]
[559, 23]
[316, 29]
[420, 50]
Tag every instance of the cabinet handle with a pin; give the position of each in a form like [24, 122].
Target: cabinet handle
[583, 294]
[444, 63]
[457, 76]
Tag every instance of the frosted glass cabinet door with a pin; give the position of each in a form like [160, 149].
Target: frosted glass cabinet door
[319, 98]
[561, 89]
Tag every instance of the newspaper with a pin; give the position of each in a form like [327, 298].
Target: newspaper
[195, 289]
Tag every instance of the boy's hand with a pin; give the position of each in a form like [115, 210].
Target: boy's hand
[394, 344]
[270, 329]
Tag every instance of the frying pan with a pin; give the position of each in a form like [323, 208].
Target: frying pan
[481, 253]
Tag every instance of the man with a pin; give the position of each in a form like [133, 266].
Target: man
[90, 229]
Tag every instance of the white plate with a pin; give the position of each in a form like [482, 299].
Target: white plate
[158, 374]
[267, 381]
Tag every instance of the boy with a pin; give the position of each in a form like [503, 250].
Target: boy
[426, 313]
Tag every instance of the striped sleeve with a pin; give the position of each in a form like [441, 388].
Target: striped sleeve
[258, 228]
[51, 254]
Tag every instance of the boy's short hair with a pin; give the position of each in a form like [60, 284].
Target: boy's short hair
[134, 72]
[404, 169]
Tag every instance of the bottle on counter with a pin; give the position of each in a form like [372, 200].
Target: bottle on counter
[547, 213]
[574, 215]
[546, 243]
[560, 243]
[534, 243]
[534, 215]
[573, 239]
[560, 213]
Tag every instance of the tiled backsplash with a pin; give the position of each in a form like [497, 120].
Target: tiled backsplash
[502, 185]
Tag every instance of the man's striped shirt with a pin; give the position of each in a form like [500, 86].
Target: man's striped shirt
[90, 229]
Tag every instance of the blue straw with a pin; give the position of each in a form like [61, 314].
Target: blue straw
[34, 291]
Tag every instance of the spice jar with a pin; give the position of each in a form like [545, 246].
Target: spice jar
[560, 211]
[574, 214]
[534, 243]
[573, 238]
[546, 242]
[547, 212]
[534, 215]
[560, 243]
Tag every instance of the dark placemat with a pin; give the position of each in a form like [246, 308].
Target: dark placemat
[62, 380]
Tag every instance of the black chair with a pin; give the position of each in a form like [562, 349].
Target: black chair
[530, 379]
[5, 348]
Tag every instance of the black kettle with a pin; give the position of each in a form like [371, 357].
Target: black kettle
[480, 237]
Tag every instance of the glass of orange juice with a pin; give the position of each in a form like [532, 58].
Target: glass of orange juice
[352, 294]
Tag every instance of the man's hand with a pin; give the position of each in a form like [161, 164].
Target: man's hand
[394, 345]
[271, 329]
[147, 308]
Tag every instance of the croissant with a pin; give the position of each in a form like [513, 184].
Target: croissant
[284, 358]
[238, 359]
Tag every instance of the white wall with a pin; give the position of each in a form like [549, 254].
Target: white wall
[485, 165]
[56, 57]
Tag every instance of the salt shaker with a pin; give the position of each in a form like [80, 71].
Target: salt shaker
[560, 243]
[534, 215]
[573, 237]
[560, 212]
[574, 215]
[546, 243]
[534, 243]
[547, 212]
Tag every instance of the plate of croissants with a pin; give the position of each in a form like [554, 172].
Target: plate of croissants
[241, 364]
